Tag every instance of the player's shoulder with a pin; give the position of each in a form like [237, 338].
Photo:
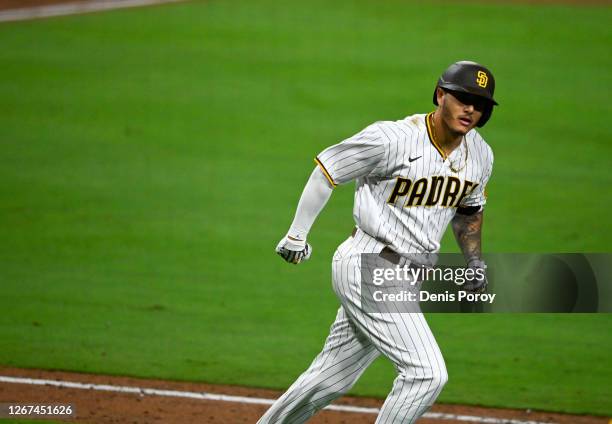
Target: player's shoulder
[414, 122]
[477, 142]
[401, 127]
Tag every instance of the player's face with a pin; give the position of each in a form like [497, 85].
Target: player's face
[460, 111]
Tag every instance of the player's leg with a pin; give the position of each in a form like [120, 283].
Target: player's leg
[421, 370]
[345, 355]
[405, 338]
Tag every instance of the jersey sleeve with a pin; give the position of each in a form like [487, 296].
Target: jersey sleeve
[478, 196]
[357, 156]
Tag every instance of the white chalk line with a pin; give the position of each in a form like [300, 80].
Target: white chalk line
[64, 9]
[144, 391]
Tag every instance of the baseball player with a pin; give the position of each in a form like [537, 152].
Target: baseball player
[413, 177]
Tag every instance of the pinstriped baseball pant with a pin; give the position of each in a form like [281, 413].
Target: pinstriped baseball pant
[355, 340]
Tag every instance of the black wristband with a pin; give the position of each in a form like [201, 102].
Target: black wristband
[468, 210]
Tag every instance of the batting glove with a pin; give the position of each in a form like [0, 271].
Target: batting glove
[293, 251]
[479, 283]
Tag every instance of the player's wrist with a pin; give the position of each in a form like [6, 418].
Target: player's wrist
[297, 235]
[294, 241]
[476, 262]
[479, 283]
[292, 250]
[296, 238]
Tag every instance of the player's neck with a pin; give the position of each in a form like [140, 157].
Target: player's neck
[447, 139]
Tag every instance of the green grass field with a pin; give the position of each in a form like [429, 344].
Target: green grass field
[152, 158]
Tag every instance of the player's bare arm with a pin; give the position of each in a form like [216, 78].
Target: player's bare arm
[467, 227]
[468, 230]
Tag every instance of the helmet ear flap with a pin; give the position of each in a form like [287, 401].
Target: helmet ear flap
[486, 114]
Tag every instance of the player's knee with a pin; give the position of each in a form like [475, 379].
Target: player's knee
[439, 377]
[435, 374]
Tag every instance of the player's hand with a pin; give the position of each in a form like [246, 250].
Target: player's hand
[479, 283]
[293, 251]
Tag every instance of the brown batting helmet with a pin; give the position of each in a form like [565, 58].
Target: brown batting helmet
[473, 78]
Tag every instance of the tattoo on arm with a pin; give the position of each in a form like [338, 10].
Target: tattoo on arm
[467, 229]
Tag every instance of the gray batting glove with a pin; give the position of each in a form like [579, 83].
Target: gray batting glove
[479, 283]
[293, 251]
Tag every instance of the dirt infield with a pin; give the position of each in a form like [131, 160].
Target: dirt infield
[100, 405]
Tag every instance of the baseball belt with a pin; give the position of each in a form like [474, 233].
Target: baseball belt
[387, 253]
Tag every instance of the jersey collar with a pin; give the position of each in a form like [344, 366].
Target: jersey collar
[432, 140]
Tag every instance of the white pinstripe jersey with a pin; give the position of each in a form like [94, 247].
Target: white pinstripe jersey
[407, 191]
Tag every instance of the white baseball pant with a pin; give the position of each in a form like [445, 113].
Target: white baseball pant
[357, 338]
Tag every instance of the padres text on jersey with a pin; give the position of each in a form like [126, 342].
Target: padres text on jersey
[407, 189]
